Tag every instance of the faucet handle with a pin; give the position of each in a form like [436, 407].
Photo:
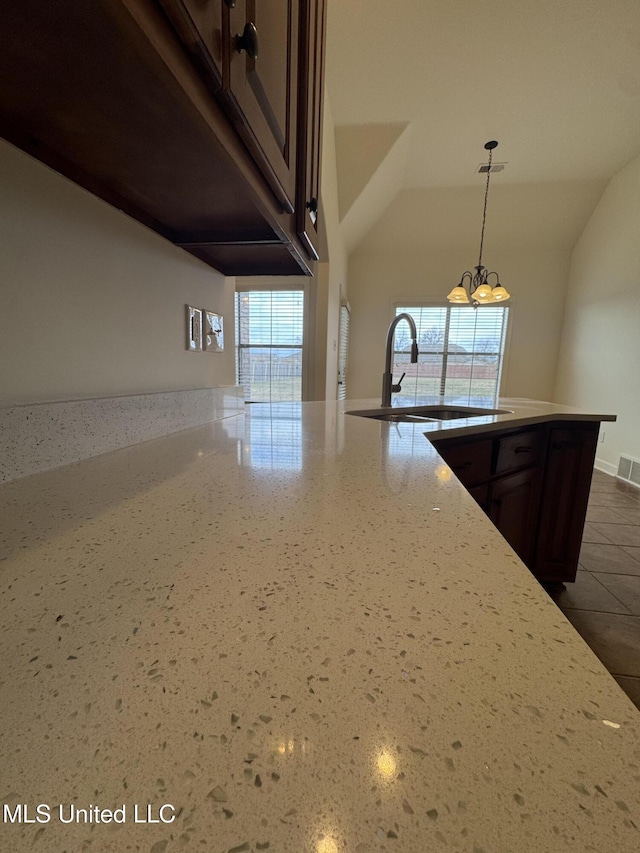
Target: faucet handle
[398, 386]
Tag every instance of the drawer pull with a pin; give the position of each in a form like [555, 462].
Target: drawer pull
[464, 465]
[248, 41]
[523, 448]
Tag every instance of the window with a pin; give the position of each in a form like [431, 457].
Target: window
[269, 342]
[461, 352]
[343, 351]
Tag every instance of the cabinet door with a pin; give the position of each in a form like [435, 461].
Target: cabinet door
[310, 103]
[260, 87]
[199, 25]
[480, 494]
[513, 509]
[565, 493]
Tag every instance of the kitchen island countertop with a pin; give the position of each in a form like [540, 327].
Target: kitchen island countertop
[298, 632]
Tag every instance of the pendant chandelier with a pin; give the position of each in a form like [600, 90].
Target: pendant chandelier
[480, 291]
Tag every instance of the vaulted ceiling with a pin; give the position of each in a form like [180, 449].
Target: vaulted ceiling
[417, 87]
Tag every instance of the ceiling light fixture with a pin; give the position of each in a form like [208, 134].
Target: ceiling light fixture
[480, 291]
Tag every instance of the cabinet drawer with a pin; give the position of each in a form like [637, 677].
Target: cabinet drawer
[470, 462]
[522, 450]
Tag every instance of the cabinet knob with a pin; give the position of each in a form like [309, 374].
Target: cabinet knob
[248, 41]
[312, 204]
[230, 3]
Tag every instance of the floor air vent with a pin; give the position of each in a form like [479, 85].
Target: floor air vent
[629, 470]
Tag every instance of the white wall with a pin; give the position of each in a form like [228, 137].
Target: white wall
[92, 302]
[332, 271]
[536, 280]
[600, 353]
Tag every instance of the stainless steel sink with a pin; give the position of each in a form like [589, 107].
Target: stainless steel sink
[424, 414]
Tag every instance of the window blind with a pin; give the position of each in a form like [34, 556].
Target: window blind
[343, 351]
[461, 351]
[269, 344]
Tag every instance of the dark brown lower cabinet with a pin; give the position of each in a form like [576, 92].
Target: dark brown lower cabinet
[567, 480]
[480, 494]
[513, 509]
[533, 483]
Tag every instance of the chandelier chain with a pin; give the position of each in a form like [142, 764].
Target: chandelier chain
[484, 212]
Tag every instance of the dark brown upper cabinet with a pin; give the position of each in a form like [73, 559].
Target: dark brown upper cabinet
[198, 23]
[261, 87]
[310, 100]
[161, 110]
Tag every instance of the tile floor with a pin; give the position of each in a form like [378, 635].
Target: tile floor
[604, 603]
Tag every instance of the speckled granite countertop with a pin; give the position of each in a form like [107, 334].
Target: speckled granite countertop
[297, 633]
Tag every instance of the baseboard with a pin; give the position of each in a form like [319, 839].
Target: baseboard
[41, 436]
[605, 467]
